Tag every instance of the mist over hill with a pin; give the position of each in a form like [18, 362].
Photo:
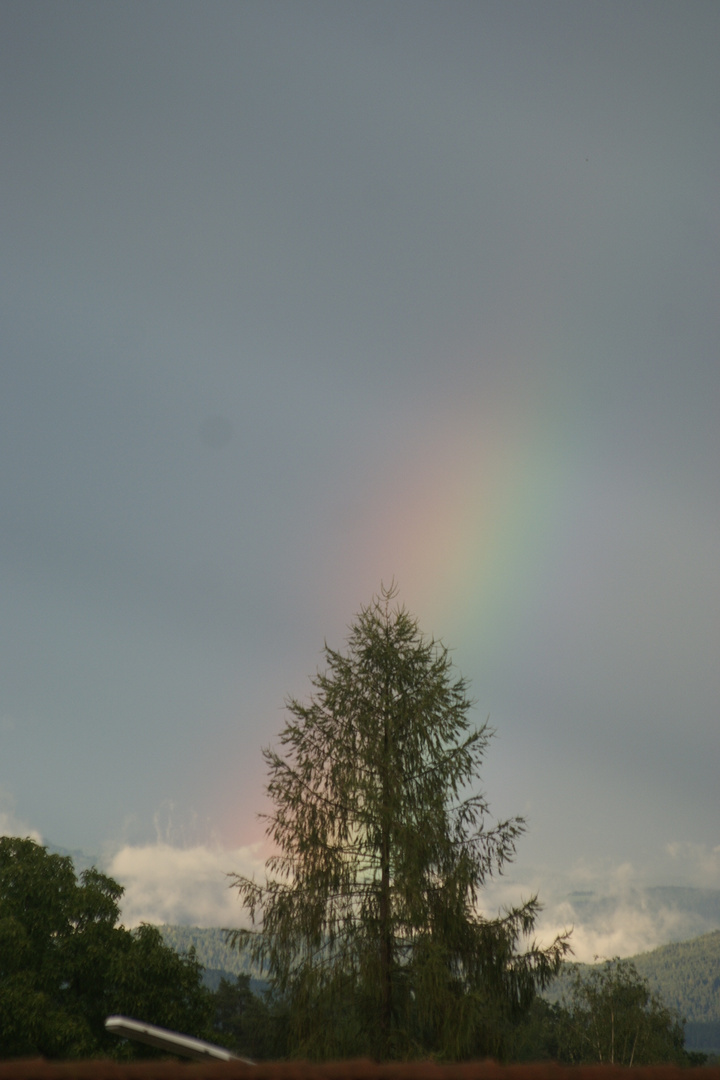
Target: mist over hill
[685, 974]
[612, 914]
[677, 913]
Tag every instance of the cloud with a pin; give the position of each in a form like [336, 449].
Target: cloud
[617, 910]
[10, 825]
[183, 886]
[611, 926]
[612, 909]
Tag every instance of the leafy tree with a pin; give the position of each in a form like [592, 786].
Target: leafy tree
[368, 920]
[152, 982]
[535, 1035]
[65, 964]
[614, 1018]
[253, 1025]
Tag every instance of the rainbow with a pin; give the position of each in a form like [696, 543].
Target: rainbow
[473, 516]
[473, 520]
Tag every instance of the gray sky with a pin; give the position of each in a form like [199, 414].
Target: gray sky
[299, 297]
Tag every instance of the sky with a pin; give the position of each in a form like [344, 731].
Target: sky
[300, 297]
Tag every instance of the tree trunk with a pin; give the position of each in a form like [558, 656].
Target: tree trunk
[386, 950]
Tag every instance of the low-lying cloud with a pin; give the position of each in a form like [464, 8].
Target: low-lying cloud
[182, 886]
[620, 910]
[607, 926]
[611, 910]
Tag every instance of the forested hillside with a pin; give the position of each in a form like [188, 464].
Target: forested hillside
[210, 948]
[685, 974]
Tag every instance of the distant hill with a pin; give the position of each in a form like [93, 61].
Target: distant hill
[217, 958]
[211, 949]
[685, 974]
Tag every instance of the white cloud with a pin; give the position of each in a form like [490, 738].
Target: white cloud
[615, 910]
[626, 928]
[10, 825]
[186, 886]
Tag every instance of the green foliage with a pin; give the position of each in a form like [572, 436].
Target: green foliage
[65, 965]
[152, 982]
[368, 922]
[253, 1025]
[535, 1036]
[613, 1017]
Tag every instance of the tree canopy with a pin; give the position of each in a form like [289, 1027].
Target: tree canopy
[368, 921]
[612, 1017]
[65, 964]
[253, 1024]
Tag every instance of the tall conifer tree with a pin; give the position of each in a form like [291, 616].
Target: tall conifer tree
[368, 920]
